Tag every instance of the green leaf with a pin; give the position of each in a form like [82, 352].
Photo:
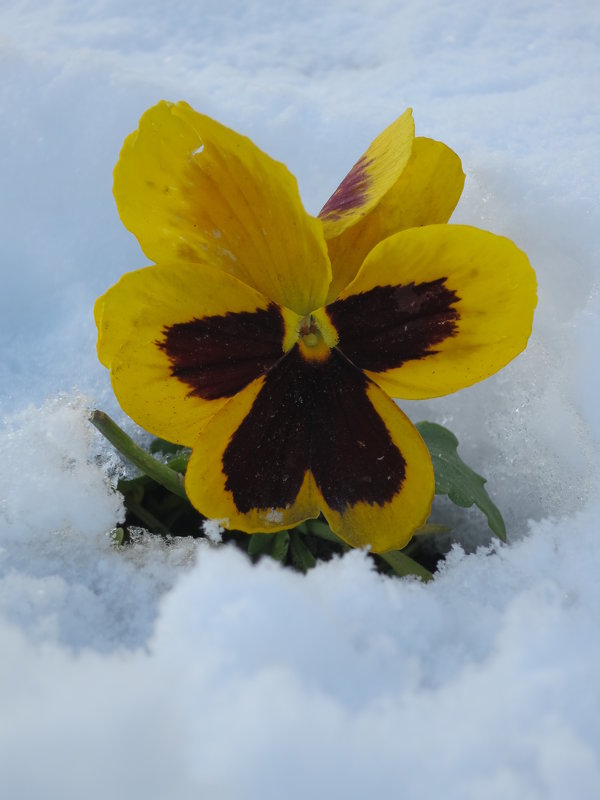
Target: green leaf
[164, 448]
[405, 565]
[454, 478]
[179, 462]
[150, 521]
[275, 545]
[302, 558]
[133, 488]
[322, 530]
[176, 455]
[118, 536]
[259, 544]
[281, 545]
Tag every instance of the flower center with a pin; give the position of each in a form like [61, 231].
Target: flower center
[309, 331]
[313, 334]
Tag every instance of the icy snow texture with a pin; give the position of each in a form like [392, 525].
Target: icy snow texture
[181, 671]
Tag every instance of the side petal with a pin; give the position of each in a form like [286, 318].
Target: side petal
[425, 193]
[436, 309]
[373, 175]
[314, 434]
[192, 190]
[179, 341]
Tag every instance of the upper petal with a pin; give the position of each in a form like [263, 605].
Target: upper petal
[436, 309]
[180, 341]
[425, 193]
[373, 175]
[193, 190]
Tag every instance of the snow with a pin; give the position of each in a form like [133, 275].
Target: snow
[179, 669]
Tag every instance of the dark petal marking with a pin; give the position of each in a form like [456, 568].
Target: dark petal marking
[388, 325]
[351, 193]
[312, 415]
[217, 356]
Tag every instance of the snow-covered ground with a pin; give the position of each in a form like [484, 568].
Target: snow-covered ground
[182, 671]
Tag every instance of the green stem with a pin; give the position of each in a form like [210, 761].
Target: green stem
[405, 565]
[161, 473]
[431, 529]
[150, 521]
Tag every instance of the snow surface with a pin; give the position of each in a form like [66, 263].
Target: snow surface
[182, 671]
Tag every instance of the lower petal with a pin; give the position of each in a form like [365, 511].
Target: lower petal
[389, 524]
[263, 485]
[314, 435]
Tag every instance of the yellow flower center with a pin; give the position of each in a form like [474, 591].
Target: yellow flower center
[314, 333]
[309, 331]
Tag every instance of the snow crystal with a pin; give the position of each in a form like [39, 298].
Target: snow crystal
[273, 515]
[213, 529]
[61, 578]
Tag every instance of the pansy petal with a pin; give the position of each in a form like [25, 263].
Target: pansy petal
[193, 190]
[248, 473]
[399, 501]
[179, 341]
[373, 175]
[314, 433]
[425, 193]
[436, 309]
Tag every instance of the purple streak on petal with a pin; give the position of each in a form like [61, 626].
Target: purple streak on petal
[351, 193]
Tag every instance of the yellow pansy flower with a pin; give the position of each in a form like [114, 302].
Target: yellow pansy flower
[271, 341]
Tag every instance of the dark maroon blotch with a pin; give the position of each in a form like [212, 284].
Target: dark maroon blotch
[351, 193]
[312, 415]
[217, 356]
[388, 325]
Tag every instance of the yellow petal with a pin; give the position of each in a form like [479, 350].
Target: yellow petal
[179, 341]
[267, 454]
[373, 175]
[425, 193]
[390, 525]
[192, 190]
[436, 309]
[314, 433]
